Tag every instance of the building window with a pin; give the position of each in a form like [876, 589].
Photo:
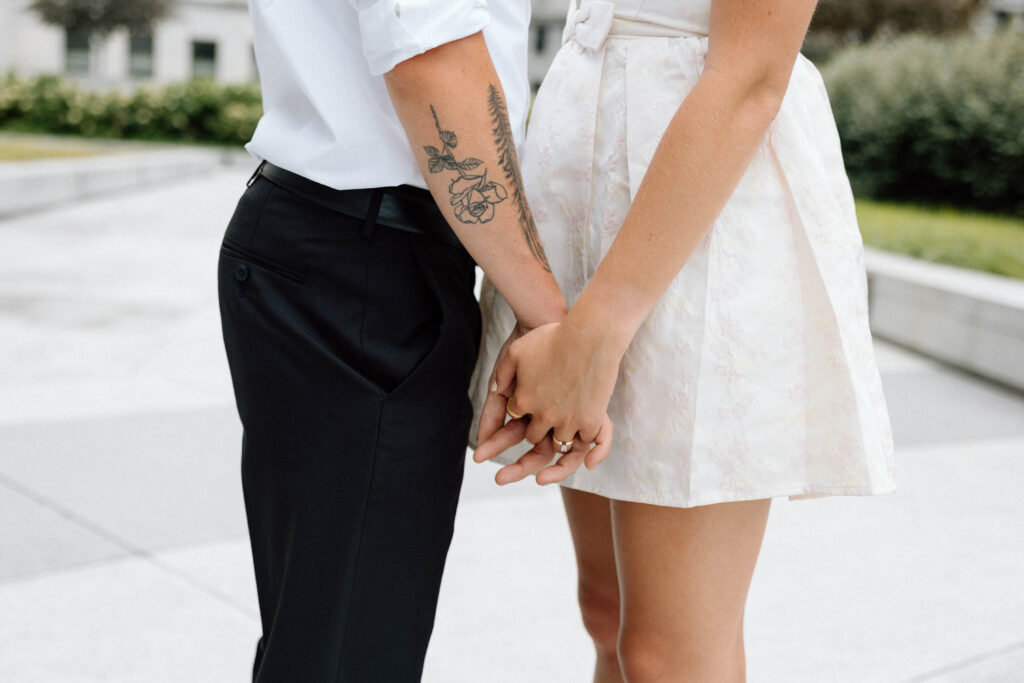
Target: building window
[140, 56]
[76, 54]
[204, 59]
[540, 38]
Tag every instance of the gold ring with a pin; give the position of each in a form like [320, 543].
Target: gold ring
[563, 446]
[511, 413]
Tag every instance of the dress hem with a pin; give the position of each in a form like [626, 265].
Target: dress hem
[798, 492]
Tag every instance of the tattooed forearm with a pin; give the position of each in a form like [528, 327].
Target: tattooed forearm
[510, 164]
[472, 195]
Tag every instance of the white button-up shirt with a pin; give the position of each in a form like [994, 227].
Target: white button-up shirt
[326, 113]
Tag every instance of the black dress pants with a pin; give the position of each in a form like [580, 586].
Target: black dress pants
[350, 347]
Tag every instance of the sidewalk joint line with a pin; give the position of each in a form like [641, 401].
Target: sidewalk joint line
[965, 663]
[124, 544]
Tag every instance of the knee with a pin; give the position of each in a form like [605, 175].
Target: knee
[599, 607]
[646, 657]
[642, 659]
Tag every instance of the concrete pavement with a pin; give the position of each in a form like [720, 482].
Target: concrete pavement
[123, 554]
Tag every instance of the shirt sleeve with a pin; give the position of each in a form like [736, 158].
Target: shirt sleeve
[395, 30]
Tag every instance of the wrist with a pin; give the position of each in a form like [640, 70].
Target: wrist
[608, 320]
[551, 309]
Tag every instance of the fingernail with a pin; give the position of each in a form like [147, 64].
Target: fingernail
[494, 385]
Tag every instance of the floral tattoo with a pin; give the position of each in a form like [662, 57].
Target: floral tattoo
[473, 196]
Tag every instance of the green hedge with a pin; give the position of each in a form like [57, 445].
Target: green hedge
[936, 120]
[197, 111]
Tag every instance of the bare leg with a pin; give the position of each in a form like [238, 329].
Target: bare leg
[590, 522]
[684, 574]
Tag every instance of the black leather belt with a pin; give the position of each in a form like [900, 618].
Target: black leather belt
[402, 207]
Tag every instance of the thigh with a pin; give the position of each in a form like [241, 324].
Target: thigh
[417, 475]
[684, 573]
[350, 359]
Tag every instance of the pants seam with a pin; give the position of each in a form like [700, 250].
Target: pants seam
[359, 548]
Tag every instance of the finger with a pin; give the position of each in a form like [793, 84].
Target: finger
[559, 432]
[499, 442]
[602, 444]
[492, 416]
[565, 466]
[588, 433]
[536, 458]
[537, 430]
[504, 373]
[512, 403]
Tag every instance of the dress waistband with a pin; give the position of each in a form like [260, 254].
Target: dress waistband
[595, 21]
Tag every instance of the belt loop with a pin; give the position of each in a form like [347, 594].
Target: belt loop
[252, 178]
[371, 213]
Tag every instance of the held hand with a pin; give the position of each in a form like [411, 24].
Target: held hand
[538, 459]
[492, 414]
[562, 376]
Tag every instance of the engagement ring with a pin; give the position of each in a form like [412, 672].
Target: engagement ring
[563, 446]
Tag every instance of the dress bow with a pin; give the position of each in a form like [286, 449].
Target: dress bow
[589, 24]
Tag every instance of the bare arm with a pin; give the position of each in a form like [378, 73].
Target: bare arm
[565, 373]
[706, 149]
[452, 107]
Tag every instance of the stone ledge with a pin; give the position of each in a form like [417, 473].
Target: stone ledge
[35, 185]
[969, 319]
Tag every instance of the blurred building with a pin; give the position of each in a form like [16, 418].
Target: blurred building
[199, 38]
[214, 38]
[546, 26]
[1002, 13]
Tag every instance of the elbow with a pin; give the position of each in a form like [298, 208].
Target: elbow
[766, 97]
[764, 88]
[759, 90]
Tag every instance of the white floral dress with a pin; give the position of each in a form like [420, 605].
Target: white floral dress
[754, 376]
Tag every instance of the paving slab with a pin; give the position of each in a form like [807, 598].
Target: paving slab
[152, 481]
[224, 567]
[949, 405]
[37, 538]
[883, 588]
[1005, 665]
[507, 610]
[122, 622]
[110, 305]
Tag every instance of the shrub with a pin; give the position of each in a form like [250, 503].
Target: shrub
[864, 19]
[102, 16]
[938, 120]
[197, 111]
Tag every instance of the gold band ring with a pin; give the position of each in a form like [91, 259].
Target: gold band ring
[563, 446]
[511, 413]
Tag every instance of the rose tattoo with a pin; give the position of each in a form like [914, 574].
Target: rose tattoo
[473, 196]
